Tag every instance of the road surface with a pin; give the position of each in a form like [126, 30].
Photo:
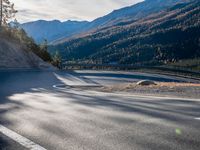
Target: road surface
[35, 113]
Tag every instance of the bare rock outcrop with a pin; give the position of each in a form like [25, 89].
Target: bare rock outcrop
[146, 83]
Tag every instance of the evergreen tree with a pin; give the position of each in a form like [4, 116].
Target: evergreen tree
[57, 60]
[7, 11]
[44, 45]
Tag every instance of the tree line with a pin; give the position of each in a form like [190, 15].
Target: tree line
[7, 11]
[11, 29]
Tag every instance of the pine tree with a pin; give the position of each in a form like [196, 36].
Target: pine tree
[7, 11]
[57, 60]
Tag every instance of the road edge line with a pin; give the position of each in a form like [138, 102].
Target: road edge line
[20, 139]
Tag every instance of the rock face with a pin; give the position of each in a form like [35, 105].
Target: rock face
[14, 56]
[146, 83]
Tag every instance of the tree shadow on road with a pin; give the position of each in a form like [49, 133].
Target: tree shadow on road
[85, 105]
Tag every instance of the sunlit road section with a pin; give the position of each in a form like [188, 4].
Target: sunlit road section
[31, 107]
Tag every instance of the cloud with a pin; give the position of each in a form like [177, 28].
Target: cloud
[30, 10]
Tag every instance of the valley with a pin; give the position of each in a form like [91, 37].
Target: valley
[158, 39]
[127, 80]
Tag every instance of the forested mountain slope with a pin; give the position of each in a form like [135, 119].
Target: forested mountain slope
[133, 12]
[57, 32]
[167, 36]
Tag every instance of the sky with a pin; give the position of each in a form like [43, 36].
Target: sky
[31, 10]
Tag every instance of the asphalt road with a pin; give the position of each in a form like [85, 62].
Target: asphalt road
[75, 119]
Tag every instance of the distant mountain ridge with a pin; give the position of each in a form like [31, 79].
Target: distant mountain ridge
[58, 32]
[52, 30]
[133, 12]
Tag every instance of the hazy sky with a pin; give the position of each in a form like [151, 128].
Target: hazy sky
[30, 10]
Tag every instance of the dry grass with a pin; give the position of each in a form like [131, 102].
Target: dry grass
[134, 86]
[175, 84]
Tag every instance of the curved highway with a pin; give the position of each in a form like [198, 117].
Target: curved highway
[35, 115]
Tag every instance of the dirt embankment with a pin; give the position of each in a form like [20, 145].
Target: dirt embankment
[14, 55]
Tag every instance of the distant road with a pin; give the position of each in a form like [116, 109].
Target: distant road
[178, 71]
[73, 119]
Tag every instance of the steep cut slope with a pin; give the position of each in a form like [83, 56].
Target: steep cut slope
[13, 55]
[162, 37]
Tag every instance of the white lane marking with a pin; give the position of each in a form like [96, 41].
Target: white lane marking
[64, 86]
[20, 139]
[60, 86]
[197, 118]
[125, 94]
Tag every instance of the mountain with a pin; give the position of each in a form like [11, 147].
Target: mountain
[14, 55]
[52, 30]
[166, 36]
[57, 32]
[133, 12]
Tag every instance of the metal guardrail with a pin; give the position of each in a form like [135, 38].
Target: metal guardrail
[130, 67]
[160, 69]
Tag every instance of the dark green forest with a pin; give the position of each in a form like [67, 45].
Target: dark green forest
[165, 37]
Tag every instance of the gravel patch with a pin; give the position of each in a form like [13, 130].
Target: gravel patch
[185, 90]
